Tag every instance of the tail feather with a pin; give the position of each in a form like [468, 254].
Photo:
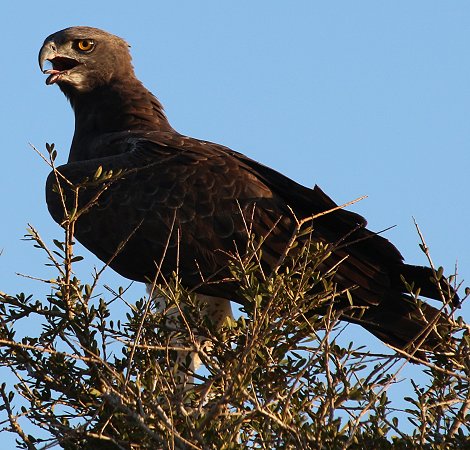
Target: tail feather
[389, 310]
[424, 278]
[415, 328]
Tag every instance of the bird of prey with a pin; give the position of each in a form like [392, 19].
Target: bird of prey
[191, 203]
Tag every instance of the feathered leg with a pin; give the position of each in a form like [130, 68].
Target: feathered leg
[215, 309]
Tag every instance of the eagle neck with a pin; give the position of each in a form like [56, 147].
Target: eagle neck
[117, 107]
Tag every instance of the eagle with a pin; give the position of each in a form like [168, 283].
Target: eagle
[191, 204]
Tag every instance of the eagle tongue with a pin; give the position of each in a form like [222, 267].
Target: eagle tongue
[53, 77]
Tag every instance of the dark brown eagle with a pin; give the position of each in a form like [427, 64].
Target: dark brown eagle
[187, 202]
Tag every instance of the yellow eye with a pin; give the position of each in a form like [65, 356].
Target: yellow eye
[85, 45]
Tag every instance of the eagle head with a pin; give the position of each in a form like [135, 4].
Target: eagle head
[82, 59]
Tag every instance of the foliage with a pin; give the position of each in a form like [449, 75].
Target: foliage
[275, 378]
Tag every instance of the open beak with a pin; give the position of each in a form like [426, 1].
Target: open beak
[60, 64]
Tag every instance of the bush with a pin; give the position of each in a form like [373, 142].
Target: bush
[275, 378]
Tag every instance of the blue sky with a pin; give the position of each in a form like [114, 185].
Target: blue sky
[363, 98]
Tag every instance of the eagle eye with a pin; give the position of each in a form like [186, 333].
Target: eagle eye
[85, 45]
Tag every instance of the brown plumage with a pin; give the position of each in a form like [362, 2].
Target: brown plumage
[198, 192]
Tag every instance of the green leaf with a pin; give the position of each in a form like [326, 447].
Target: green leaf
[98, 172]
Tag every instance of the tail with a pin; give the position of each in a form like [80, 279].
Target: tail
[408, 324]
[380, 282]
[415, 329]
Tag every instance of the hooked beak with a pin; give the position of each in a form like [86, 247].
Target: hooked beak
[61, 64]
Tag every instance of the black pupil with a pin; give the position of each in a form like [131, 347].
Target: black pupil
[85, 45]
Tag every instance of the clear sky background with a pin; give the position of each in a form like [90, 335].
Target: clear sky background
[360, 97]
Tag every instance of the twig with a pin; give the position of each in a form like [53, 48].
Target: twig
[13, 422]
